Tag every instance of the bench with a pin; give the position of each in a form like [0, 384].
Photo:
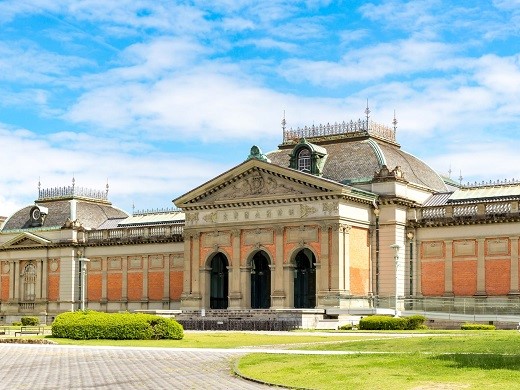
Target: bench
[29, 330]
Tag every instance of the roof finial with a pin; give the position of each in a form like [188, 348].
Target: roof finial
[39, 187]
[284, 122]
[394, 122]
[449, 172]
[133, 208]
[73, 183]
[107, 188]
[367, 113]
[460, 177]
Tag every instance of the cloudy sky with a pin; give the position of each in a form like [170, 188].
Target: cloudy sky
[158, 96]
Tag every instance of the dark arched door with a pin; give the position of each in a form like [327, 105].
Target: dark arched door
[260, 281]
[304, 280]
[218, 298]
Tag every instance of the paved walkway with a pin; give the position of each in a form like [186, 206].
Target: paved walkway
[28, 366]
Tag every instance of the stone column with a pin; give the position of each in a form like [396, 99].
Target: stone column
[448, 269]
[104, 281]
[44, 280]
[38, 287]
[144, 295]
[346, 257]
[236, 276]
[514, 288]
[288, 276]
[418, 268]
[481, 268]
[13, 282]
[167, 259]
[279, 289]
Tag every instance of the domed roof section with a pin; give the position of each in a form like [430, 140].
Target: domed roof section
[56, 208]
[355, 154]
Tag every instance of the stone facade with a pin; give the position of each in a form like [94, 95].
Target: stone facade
[338, 220]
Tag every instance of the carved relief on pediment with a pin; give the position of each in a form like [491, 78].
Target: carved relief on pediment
[259, 184]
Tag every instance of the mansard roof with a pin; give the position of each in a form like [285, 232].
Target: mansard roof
[355, 154]
[64, 205]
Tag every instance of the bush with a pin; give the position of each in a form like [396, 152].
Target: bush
[86, 325]
[30, 321]
[346, 327]
[469, 326]
[17, 323]
[392, 323]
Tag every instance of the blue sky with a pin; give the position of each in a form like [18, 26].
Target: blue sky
[159, 96]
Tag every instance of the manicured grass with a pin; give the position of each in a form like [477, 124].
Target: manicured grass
[469, 360]
[211, 340]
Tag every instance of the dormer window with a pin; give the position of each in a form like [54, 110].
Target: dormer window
[304, 160]
[308, 158]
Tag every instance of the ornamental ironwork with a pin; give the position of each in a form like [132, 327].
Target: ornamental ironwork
[366, 126]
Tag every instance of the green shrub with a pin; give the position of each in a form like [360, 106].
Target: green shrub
[86, 325]
[392, 323]
[346, 327]
[17, 323]
[469, 326]
[415, 322]
[30, 321]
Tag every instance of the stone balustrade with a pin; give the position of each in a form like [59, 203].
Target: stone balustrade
[478, 212]
[136, 233]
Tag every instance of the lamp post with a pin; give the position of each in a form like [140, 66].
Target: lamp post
[83, 265]
[396, 248]
[410, 236]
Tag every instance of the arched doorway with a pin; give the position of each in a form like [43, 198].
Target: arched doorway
[304, 279]
[260, 281]
[218, 298]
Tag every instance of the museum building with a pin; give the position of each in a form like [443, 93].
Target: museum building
[339, 220]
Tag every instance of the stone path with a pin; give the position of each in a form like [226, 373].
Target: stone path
[27, 366]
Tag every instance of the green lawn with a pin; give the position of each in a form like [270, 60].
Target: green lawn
[214, 340]
[472, 360]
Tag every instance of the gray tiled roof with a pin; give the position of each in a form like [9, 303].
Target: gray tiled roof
[89, 214]
[354, 160]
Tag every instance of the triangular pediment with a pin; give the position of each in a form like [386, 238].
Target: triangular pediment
[258, 180]
[26, 240]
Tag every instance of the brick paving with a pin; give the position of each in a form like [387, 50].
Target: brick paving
[27, 366]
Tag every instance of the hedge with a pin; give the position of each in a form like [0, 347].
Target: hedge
[469, 326]
[86, 325]
[392, 323]
[30, 321]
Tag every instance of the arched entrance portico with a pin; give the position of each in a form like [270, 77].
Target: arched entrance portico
[218, 298]
[260, 281]
[304, 279]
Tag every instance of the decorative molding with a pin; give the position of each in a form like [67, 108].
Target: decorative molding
[114, 263]
[331, 208]
[433, 249]
[156, 262]
[464, 248]
[5, 267]
[305, 233]
[211, 217]
[192, 217]
[257, 236]
[497, 247]
[306, 210]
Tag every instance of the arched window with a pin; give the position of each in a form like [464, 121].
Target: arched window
[29, 282]
[304, 160]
